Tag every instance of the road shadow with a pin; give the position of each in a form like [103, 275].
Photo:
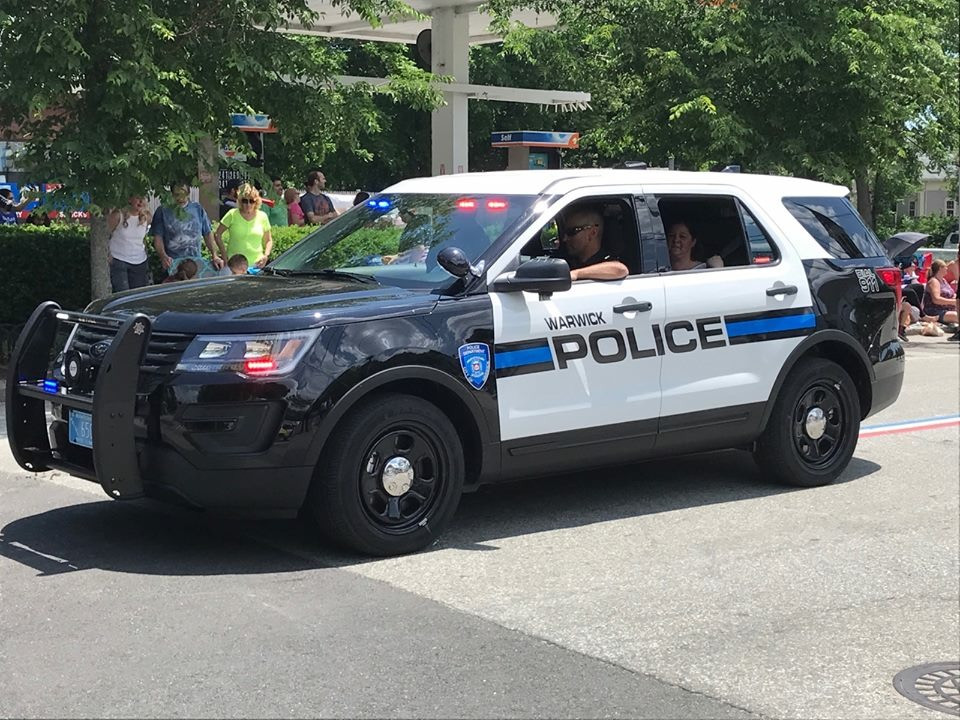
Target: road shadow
[150, 538]
[140, 537]
[646, 488]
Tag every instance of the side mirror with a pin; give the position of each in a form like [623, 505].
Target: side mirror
[454, 261]
[542, 275]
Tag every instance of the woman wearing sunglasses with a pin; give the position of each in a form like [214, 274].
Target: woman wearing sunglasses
[249, 228]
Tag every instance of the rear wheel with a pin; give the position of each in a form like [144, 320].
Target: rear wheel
[391, 478]
[813, 429]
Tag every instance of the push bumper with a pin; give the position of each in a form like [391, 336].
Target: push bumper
[111, 405]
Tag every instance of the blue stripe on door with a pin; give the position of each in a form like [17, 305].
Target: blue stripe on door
[771, 325]
[517, 358]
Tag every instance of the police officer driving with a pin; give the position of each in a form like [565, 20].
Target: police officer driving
[582, 247]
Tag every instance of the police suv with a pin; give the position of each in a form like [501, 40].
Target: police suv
[432, 340]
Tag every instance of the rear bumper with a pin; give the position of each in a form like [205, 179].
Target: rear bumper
[887, 381]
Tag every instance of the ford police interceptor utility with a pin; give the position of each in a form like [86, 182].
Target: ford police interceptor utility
[431, 340]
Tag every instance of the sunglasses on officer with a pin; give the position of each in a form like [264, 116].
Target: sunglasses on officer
[573, 230]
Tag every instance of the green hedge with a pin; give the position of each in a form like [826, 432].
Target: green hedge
[53, 263]
[43, 263]
[285, 238]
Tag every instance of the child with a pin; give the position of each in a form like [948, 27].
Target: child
[186, 270]
[238, 264]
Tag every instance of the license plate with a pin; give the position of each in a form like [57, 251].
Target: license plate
[80, 428]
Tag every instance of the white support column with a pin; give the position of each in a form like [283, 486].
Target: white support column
[450, 40]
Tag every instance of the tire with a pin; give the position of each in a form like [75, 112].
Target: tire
[797, 452]
[356, 500]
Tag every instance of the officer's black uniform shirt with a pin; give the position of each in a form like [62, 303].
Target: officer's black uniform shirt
[602, 255]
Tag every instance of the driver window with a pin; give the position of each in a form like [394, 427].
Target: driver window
[619, 236]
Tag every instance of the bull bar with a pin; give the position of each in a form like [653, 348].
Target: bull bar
[112, 404]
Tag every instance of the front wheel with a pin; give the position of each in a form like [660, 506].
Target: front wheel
[391, 478]
[813, 429]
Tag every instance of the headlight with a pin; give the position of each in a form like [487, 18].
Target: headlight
[258, 355]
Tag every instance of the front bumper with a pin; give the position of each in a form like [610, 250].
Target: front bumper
[111, 405]
[221, 452]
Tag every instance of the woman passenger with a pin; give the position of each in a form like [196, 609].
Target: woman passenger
[680, 242]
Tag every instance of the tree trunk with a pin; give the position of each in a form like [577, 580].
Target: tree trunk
[99, 258]
[861, 178]
[209, 176]
[879, 196]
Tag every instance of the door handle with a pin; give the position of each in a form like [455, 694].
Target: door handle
[633, 307]
[782, 290]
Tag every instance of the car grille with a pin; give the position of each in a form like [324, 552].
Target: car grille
[163, 352]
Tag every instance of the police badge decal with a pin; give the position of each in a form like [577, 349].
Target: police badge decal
[475, 361]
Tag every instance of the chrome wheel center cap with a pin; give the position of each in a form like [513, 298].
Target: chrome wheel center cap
[397, 476]
[816, 423]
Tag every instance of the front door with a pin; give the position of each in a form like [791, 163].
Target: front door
[581, 368]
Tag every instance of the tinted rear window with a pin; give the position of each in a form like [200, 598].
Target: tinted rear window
[834, 223]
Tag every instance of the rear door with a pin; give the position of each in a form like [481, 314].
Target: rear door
[728, 331]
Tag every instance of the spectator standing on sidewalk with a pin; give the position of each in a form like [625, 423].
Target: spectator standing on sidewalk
[278, 213]
[178, 230]
[8, 208]
[128, 256]
[249, 229]
[317, 207]
[229, 200]
[956, 336]
[294, 212]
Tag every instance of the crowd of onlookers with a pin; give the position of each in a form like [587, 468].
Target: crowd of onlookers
[242, 241]
[930, 298]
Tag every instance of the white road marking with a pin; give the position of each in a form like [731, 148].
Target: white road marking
[43, 555]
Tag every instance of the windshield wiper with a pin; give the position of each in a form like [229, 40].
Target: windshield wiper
[339, 274]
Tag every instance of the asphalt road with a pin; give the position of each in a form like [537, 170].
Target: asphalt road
[682, 589]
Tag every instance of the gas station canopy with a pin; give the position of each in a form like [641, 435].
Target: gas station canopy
[455, 26]
[334, 22]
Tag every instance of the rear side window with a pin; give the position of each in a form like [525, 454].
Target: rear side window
[834, 223]
[762, 251]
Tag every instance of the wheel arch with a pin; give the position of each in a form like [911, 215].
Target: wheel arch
[435, 387]
[838, 347]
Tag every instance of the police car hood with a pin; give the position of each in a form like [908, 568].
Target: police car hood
[263, 303]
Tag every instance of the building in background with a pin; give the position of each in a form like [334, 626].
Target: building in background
[933, 198]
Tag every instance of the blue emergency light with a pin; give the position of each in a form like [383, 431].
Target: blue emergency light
[51, 386]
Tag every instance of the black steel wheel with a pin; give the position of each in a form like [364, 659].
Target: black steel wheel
[401, 477]
[818, 424]
[813, 428]
[390, 478]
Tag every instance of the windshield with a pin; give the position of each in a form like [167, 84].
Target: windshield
[395, 238]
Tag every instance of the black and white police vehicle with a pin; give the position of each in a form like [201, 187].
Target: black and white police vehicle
[431, 340]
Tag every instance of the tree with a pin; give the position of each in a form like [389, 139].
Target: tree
[392, 139]
[851, 92]
[120, 97]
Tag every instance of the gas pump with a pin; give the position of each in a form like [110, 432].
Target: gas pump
[534, 149]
